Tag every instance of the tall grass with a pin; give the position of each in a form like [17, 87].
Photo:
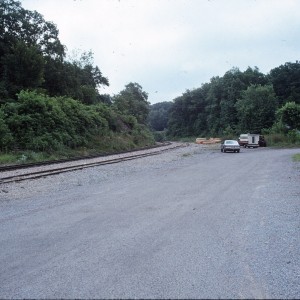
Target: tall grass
[7, 158]
[112, 143]
[282, 140]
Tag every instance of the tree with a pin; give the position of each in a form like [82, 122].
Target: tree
[254, 76]
[26, 40]
[19, 24]
[6, 137]
[176, 124]
[133, 101]
[211, 109]
[159, 115]
[286, 82]
[32, 57]
[40, 122]
[23, 67]
[289, 115]
[78, 78]
[234, 82]
[256, 108]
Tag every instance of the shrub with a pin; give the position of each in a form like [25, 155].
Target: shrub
[41, 123]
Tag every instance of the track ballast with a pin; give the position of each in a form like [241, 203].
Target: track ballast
[16, 173]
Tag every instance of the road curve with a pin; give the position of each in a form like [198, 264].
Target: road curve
[192, 223]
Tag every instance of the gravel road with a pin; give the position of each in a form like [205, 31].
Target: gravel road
[189, 223]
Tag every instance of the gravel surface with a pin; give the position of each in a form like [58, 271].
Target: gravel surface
[75, 163]
[189, 223]
[92, 175]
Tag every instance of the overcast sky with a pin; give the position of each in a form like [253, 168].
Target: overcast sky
[169, 46]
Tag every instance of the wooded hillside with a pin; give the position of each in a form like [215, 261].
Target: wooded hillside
[50, 103]
[237, 102]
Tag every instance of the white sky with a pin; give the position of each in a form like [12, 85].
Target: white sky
[168, 46]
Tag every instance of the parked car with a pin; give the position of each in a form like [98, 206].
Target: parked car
[230, 145]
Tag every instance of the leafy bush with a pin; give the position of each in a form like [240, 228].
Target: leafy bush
[38, 122]
[289, 115]
[160, 136]
[6, 137]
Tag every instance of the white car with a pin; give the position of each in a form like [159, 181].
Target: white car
[230, 145]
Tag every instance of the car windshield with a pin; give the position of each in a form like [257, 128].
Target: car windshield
[231, 142]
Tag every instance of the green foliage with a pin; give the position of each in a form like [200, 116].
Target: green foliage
[23, 67]
[19, 24]
[289, 139]
[211, 109]
[294, 136]
[289, 115]
[159, 115]
[41, 123]
[32, 57]
[286, 83]
[142, 136]
[229, 132]
[26, 39]
[74, 114]
[256, 108]
[7, 158]
[160, 136]
[296, 157]
[6, 137]
[133, 101]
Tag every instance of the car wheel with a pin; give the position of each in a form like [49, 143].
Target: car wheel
[238, 151]
[221, 150]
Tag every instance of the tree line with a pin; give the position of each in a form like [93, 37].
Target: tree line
[33, 57]
[49, 102]
[237, 102]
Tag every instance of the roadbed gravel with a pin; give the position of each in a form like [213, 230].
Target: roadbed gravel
[65, 181]
[189, 223]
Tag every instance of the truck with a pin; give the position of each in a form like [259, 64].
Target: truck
[249, 140]
[253, 140]
[243, 140]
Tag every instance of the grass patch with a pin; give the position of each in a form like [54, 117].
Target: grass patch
[7, 158]
[24, 157]
[296, 157]
[187, 139]
[280, 140]
[186, 154]
[110, 144]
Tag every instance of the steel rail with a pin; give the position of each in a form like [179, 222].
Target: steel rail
[59, 161]
[55, 171]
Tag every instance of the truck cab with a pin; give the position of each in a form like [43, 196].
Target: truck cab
[243, 139]
[249, 140]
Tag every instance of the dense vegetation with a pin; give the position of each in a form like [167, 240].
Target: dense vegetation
[41, 123]
[238, 102]
[49, 103]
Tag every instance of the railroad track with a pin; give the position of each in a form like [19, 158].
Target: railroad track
[59, 161]
[54, 168]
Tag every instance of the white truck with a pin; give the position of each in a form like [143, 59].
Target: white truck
[249, 140]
